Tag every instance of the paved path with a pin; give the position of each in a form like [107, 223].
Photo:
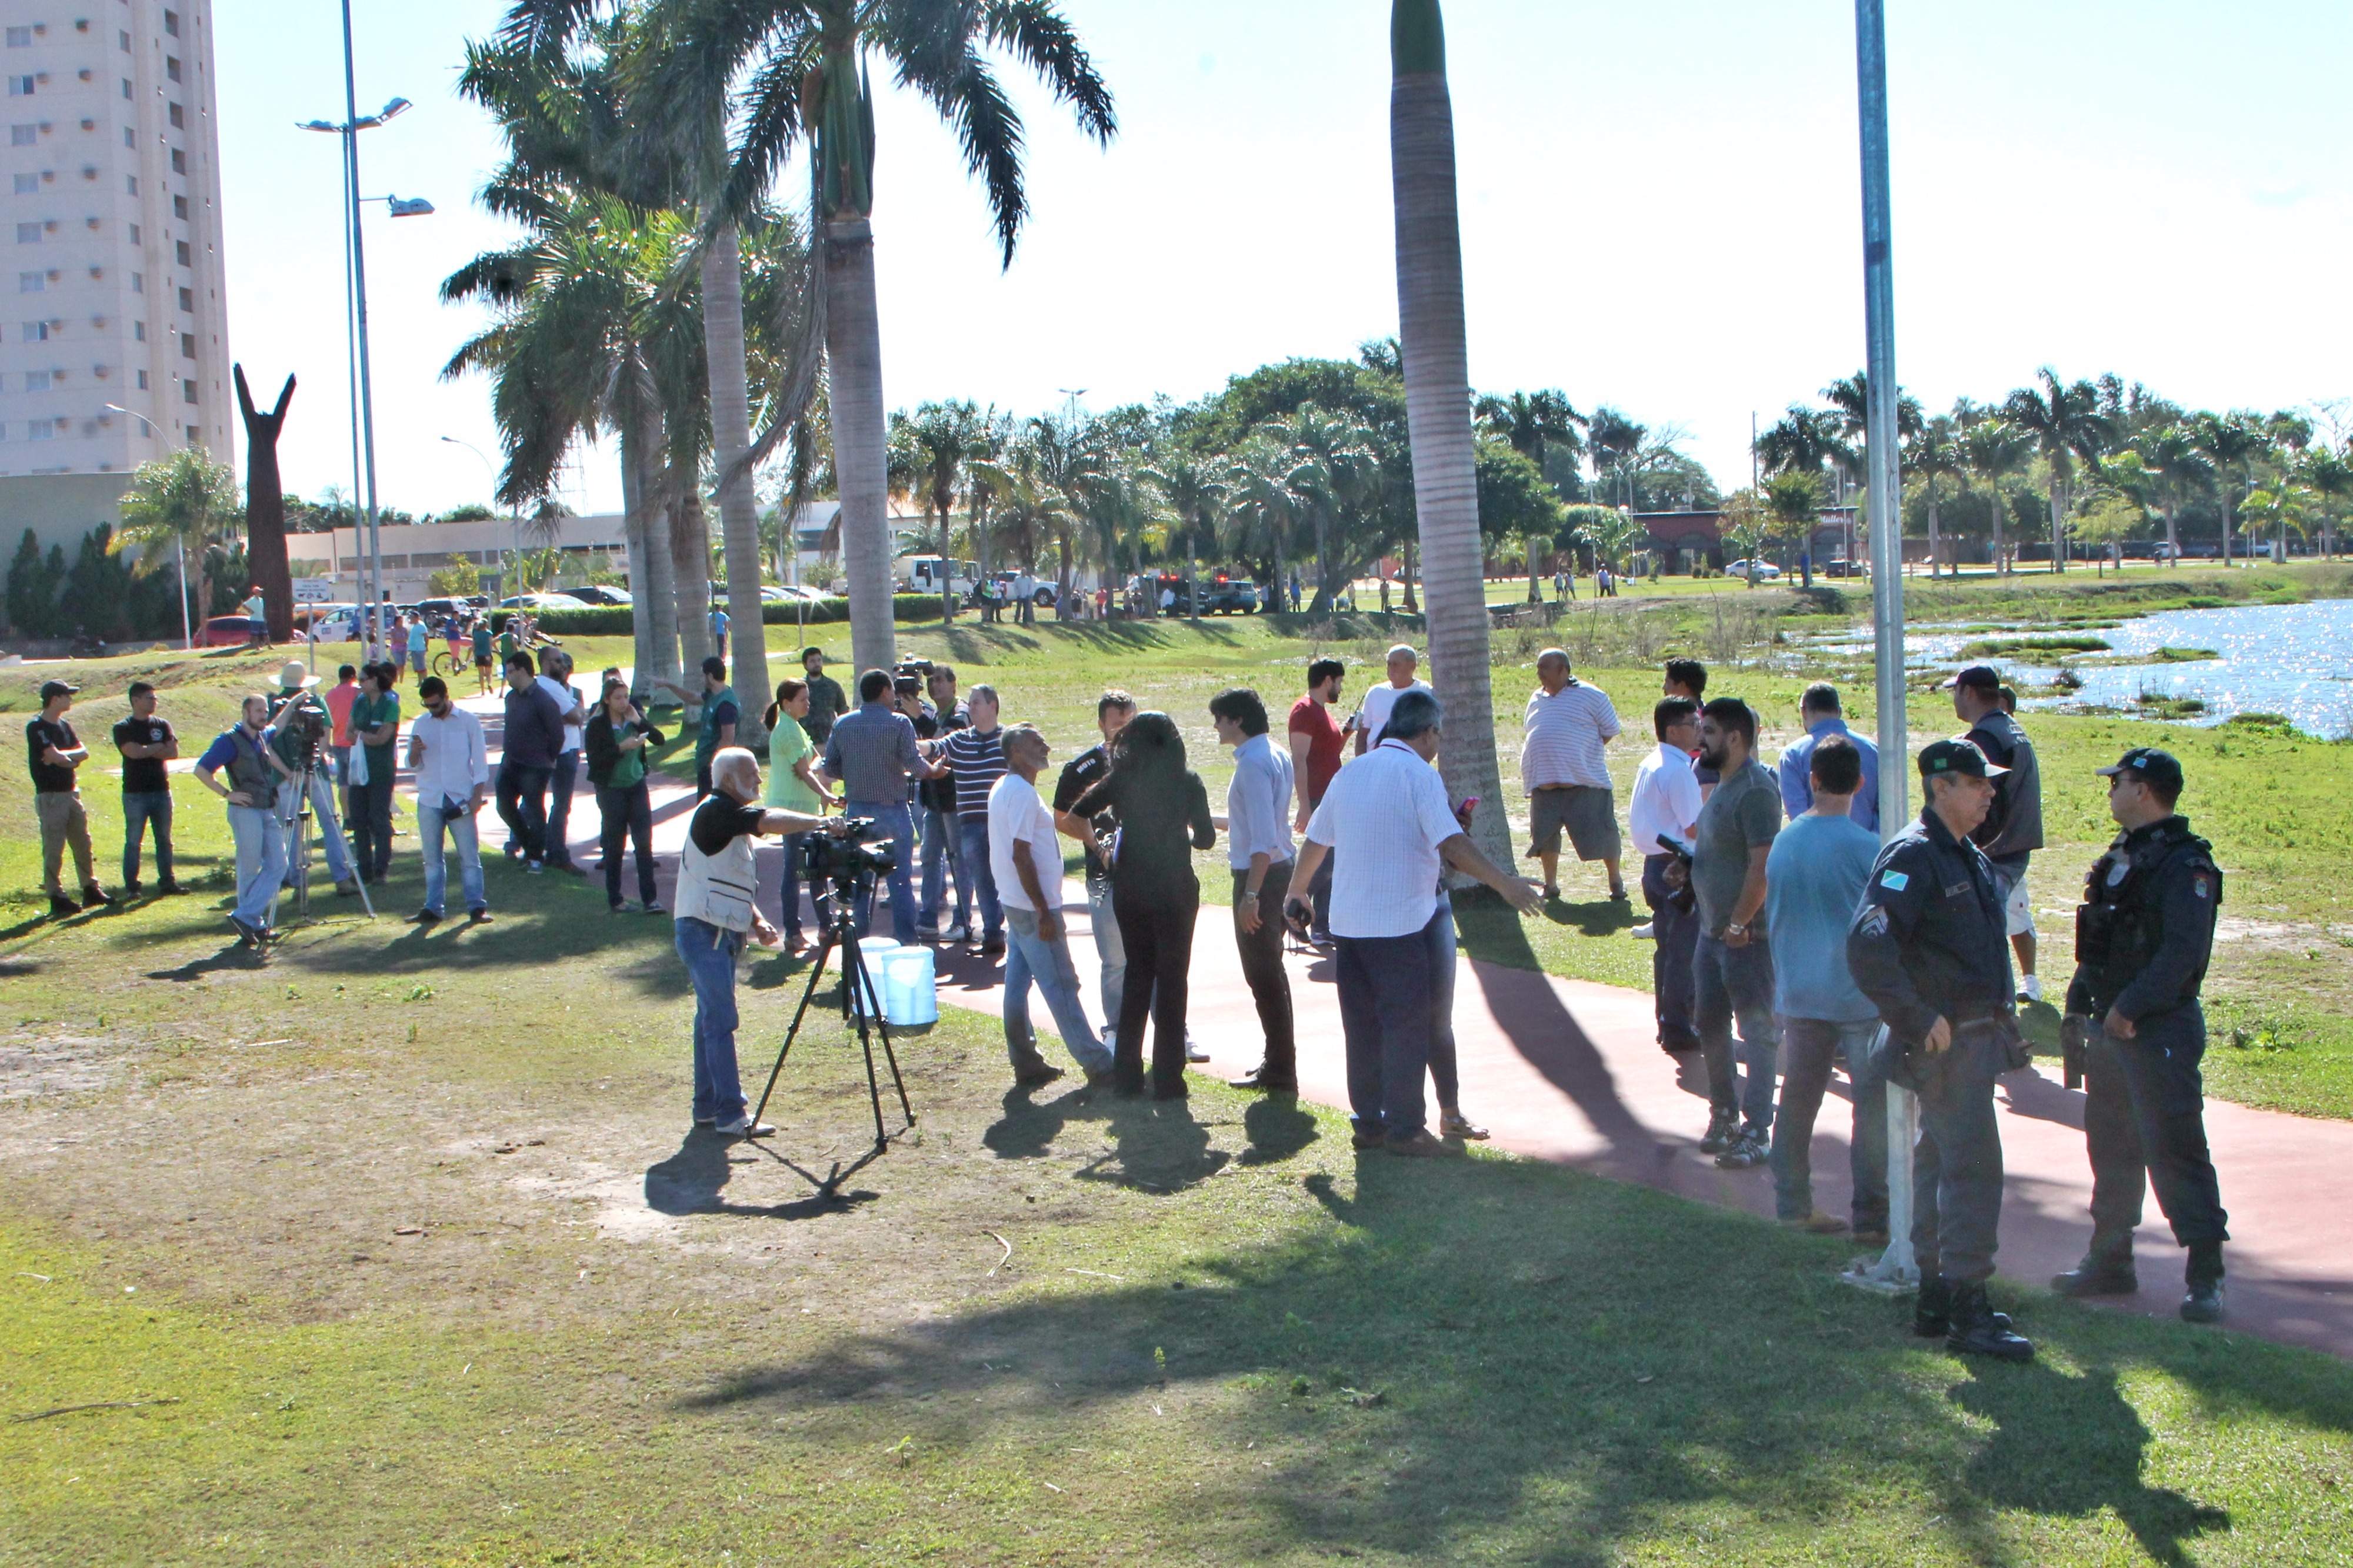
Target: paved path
[1566, 1070]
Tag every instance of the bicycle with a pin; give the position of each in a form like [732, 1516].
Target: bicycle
[449, 667]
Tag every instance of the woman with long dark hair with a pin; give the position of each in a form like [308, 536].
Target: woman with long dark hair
[793, 784]
[616, 738]
[1163, 815]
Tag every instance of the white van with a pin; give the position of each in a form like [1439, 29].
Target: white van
[933, 574]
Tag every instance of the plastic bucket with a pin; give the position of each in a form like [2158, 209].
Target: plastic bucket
[878, 951]
[910, 994]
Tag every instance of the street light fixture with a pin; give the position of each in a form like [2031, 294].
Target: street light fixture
[514, 515]
[188, 631]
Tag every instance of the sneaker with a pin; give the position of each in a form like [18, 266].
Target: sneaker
[654, 909]
[957, 932]
[426, 918]
[706, 1122]
[1454, 1124]
[2203, 1304]
[253, 935]
[1746, 1152]
[1721, 1127]
[1194, 1053]
[743, 1127]
[2032, 990]
[533, 866]
[1643, 932]
[61, 907]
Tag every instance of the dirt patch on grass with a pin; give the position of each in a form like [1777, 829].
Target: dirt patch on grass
[52, 1067]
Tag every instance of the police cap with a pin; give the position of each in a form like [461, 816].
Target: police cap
[2160, 769]
[1950, 757]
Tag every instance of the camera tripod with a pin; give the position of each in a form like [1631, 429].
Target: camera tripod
[298, 858]
[857, 983]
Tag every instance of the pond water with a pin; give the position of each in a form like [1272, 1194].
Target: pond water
[2294, 659]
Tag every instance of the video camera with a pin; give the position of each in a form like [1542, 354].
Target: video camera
[851, 859]
[303, 723]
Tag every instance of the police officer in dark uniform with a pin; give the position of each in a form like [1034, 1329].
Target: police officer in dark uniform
[1927, 947]
[2143, 937]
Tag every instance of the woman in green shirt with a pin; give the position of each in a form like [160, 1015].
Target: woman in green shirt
[616, 738]
[793, 784]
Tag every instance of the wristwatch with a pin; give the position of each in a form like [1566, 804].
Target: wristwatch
[1736, 927]
[1249, 893]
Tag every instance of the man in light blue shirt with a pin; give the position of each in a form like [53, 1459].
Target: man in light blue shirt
[1258, 849]
[1820, 711]
[1814, 878]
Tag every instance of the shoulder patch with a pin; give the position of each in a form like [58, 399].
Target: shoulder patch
[1874, 921]
[2203, 886]
[1895, 881]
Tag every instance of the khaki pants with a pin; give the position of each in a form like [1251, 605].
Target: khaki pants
[63, 821]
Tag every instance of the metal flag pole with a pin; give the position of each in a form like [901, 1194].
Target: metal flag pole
[1895, 1269]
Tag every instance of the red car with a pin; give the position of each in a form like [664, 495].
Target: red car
[233, 631]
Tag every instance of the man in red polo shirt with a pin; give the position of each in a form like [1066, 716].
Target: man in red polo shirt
[1316, 748]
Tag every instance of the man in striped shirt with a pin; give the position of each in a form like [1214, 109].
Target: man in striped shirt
[1566, 770]
[976, 755]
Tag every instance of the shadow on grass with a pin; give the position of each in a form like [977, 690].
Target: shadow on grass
[694, 1180]
[1491, 1357]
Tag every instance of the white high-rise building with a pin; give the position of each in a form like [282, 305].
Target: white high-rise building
[112, 237]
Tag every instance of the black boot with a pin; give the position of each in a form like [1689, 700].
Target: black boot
[2106, 1270]
[1932, 1307]
[1977, 1329]
[2203, 1304]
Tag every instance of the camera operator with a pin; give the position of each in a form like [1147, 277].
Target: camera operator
[717, 883]
[300, 729]
[254, 771]
[872, 753]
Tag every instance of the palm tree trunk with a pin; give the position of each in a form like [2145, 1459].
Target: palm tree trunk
[739, 511]
[2058, 529]
[689, 557]
[1535, 591]
[1438, 408]
[641, 593]
[1412, 607]
[654, 589]
[2172, 540]
[2000, 561]
[947, 569]
[853, 343]
[1932, 531]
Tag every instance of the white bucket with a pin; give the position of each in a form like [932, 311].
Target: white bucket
[910, 993]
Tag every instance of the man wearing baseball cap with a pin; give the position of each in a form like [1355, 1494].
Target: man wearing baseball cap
[1927, 948]
[54, 752]
[2012, 829]
[2146, 931]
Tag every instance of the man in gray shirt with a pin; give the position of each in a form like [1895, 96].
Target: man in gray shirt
[872, 753]
[1732, 965]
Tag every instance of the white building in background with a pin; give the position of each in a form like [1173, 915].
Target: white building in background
[112, 237]
[414, 552]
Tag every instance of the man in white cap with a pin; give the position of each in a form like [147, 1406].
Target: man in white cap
[301, 730]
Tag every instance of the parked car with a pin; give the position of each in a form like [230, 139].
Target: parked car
[1765, 571]
[1043, 597]
[234, 631]
[598, 593]
[543, 602]
[1843, 568]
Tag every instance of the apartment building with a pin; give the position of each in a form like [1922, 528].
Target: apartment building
[111, 237]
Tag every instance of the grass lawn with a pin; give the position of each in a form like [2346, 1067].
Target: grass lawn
[398, 1250]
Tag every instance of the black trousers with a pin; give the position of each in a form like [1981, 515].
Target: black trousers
[2145, 1124]
[1676, 930]
[1262, 956]
[1156, 926]
[629, 818]
[371, 827]
[522, 805]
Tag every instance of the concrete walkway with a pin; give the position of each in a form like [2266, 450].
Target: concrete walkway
[1566, 1070]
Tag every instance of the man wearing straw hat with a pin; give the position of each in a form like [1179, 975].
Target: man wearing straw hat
[300, 728]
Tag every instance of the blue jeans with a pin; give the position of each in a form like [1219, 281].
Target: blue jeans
[322, 814]
[559, 809]
[1808, 1046]
[343, 755]
[1028, 957]
[522, 806]
[260, 859]
[1109, 950]
[891, 817]
[467, 837]
[140, 809]
[943, 850]
[973, 871]
[709, 953]
[1385, 988]
[1737, 984]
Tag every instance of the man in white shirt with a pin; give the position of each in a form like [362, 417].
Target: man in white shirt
[1389, 810]
[1382, 699]
[1024, 597]
[1028, 859]
[1566, 769]
[1258, 849]
[555, 679]
[452, 770]
[1665, 804]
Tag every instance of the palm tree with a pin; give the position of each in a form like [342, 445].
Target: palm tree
[1437, 407]
[1802, 441]
[2330, 479]
[1935, 455]
[1197, 488]
[2066, 425]
[1793, 499]
[1335, 481]
[929, 454]
[1261, 508]
[2228, 441]
[184, 499]
[1530, 422]
[1994, 450]
[807, 79]
[2171, 454]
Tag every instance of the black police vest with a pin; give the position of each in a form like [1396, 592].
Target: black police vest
[2119, 924]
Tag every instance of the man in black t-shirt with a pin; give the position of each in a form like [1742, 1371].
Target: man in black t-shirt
[146, 742]
[942, 844]
[53, 752]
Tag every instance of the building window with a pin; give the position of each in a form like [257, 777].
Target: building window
[23, 136]
[178, 116]
[138, 331]
[40, 429]
[183, 250]
[187, 391]
[142, 381]
[172, 23]
[37, 381]
[126, 87]
[172, 67]
[135, 234]
[130, 138]
[188, 301]
[179, 206]
[123, 42]
[32, 282]
[187, 345]
[28, 234]
[20, 87]
[130, 184]
[139, 283]
[20, 38]
[179, 162]
[37, 331]
[27, 183]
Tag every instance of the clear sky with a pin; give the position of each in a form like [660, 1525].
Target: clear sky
[1660, 210]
